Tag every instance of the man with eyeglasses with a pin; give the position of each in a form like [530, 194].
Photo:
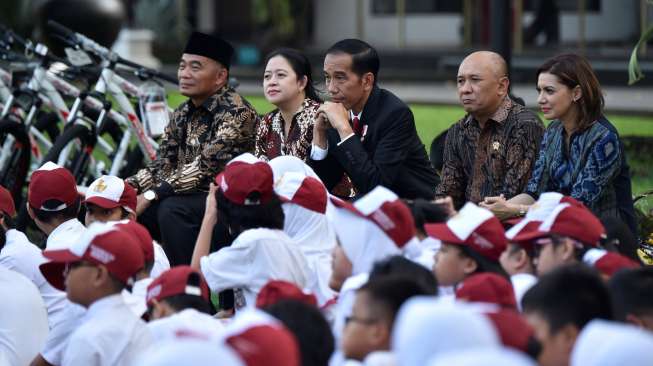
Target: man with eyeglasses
[368, 329]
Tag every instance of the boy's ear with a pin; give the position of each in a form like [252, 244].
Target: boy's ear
[469, 266]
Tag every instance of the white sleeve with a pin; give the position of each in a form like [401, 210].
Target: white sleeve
[346, 138]
[227, 268]
[161, 262]
[59, 335]
[318, 153]
[81, 351]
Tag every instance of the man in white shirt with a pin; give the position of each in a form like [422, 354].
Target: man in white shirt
[23, 320]
[19, 254]
[261, 252]
[179, 304]
[94, 270]
[53, 203]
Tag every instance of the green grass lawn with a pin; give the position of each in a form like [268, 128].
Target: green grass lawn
[430, 120]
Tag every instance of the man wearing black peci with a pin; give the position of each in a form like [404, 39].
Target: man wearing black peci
[365, 131]
[213, 126]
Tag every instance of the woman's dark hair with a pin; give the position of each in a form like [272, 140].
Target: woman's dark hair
[574, 70]
[483, 264]
[364, 57]
[239, 218]
[301, 66]
[66, 214]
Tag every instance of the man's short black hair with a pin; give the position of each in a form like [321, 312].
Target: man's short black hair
[388, 293]
[483, 264]
[364, 57]
[243, 217]
[632, 292]
[66, 214]
[306, 322]
[398, 266]
[569, 295]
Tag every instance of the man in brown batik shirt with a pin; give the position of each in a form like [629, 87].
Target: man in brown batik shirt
[213, 126]
[492, 150]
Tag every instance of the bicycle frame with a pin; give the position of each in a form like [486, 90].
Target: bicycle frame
[119, 88]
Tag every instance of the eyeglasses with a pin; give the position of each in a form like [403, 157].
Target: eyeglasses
[72, 265]
[366, 321]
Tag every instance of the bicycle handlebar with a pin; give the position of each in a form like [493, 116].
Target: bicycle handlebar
[92, 46]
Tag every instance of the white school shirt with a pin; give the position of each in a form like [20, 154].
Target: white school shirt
[188, 322]
[71, 317]
[110, 335]
[20, 255]
[136, 299]
[23, 319]
[521, 282]
[253, 259]
[64, 235]
[161, 262]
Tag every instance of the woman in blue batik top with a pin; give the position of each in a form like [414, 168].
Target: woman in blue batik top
[580, 154]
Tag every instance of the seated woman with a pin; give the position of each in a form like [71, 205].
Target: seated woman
[580, 155]
[288, 84]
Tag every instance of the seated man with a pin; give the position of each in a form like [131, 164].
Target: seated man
[492, 150]
[367, 132]
[213, 126]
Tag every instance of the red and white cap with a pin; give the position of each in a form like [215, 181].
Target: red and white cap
[100, 244]
[608, 263]
[109, 192]
[277, 290]
[514, 331]
[7, 202]
[261, 340]
[488, 288]
[374, 227]
[141, 233]
[304, 191]
[576, 222]
[536, 214]
[287, 163]
[175, 282]
[244, 175]
[475, 227]
[51, 182]
[491, 288]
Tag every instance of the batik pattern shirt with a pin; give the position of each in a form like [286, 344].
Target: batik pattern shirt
[586, 171]
[493, 160]
[270, 135]
[198, 142]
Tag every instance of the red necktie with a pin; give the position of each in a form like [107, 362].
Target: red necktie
[356, 125]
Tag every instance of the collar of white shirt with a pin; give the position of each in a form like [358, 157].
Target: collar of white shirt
[103, 304]
[15, 237]
[61, 237]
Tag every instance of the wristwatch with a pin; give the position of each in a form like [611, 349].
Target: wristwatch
[522, 210]
[149, 195]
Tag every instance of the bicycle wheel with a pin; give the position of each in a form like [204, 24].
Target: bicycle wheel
[73, 150]
[16, 151]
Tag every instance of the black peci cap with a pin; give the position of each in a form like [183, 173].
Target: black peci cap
[212, 47]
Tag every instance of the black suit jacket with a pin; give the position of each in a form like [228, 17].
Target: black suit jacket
[389, 154]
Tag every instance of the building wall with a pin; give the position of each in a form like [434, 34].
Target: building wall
[336, 19]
